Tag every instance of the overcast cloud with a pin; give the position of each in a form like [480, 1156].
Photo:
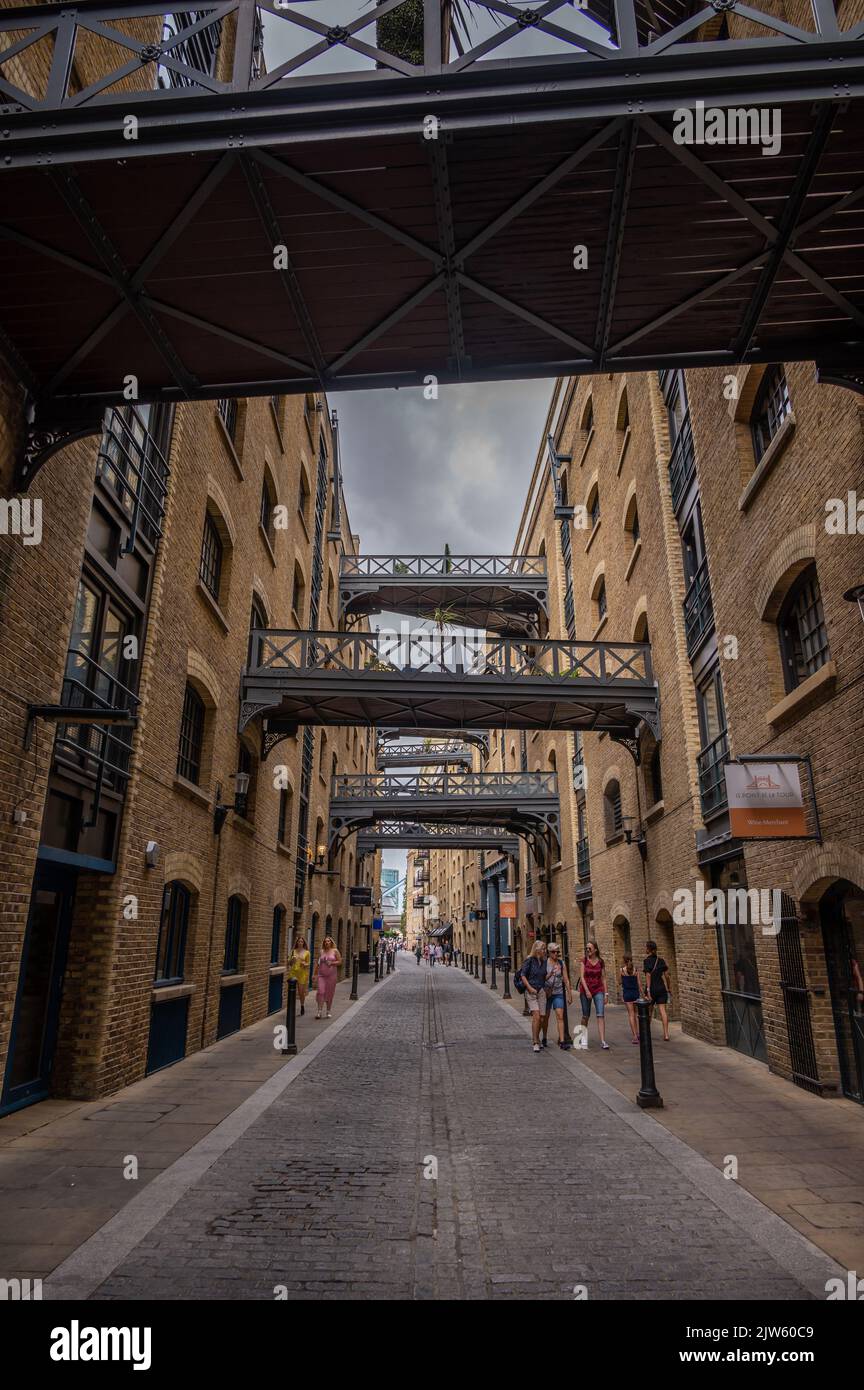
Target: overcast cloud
[420, 473]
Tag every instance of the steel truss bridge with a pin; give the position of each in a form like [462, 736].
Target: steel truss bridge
[338, 678]
[432, 754]
[426, 209]
[473, 737]
[498, 593]
[524, 803]
[418, 835]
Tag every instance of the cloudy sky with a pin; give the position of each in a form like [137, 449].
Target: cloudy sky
[420, 473]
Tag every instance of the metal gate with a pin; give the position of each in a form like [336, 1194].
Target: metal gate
[796, 999]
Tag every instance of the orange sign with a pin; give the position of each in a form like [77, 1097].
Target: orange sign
[765, 801]
[507, 905]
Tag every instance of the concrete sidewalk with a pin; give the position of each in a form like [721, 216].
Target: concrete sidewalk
[62, 1162]
[802, 1156]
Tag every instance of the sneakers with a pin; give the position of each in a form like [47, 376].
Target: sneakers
[605, 1046]
[544, 1043]
[536, 1047]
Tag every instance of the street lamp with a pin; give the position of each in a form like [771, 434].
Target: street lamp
[856, 595]
[635, 837]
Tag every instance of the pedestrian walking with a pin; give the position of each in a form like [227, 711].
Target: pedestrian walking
[630, 994]
[439, 954]
[328, 972]
[592, 989]
[656, 973]
[418, 952]
[530, 979]
[557, 989]
[298, 969]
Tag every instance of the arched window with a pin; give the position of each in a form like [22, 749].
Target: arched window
[622, 422]
[233, 936]
[278, 929]
[173, 929]
[257, 619]
[191, 746]
[612, 809]
[801, 625]
[212, 552]
[284, 829]
[594, 505]
[770, 408]
[601, 600]
[268, 505]
[588, 416]
[655, 776]
[298, 595]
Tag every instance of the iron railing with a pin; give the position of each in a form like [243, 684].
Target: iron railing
[181, 40]
[442, 566]
[712, 781]
[131, 463]
[362, 786]
[368, 655]
[101, 750]
[443, 752]
[698, 608]
[682, 462]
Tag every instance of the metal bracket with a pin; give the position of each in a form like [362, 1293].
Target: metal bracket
[68, 714]
[851, 378]
[631, 744]
[50, 428]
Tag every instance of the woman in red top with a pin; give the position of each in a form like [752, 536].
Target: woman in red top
[592, 987]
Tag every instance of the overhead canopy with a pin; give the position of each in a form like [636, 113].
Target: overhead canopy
[293, 230]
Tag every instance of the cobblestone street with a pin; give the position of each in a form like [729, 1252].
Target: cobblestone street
[324, 1194]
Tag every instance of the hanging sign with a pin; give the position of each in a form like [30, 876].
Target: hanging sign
[360, 895]
[765, 801]
[507, 905]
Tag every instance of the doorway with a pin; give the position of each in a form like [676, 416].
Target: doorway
[841, 912]
[40, 988]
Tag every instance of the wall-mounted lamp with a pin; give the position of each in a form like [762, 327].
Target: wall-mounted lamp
[856, 595]
[318, 864]
[634, 837]
[220, 810]
[151, 854]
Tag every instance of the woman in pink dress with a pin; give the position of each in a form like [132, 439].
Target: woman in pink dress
[328, 971]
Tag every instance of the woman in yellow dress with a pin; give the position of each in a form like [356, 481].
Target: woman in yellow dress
[298, 969]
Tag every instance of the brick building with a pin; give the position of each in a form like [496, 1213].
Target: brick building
[704, 524]
[163, 867]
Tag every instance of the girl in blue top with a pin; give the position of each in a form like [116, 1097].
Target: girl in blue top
[630, 994]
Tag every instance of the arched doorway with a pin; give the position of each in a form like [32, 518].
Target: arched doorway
[841, 913]
[622, 945]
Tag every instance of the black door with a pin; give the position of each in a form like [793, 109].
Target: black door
[40, 988]
[842, 914]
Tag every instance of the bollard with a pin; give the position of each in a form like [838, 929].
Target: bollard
[648, 1097]
[494, 984]
[355, 971]
[507, 994]
[376, 967]
[476, 967]
[290, 1019]
[568, 1041]
[483, 969]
